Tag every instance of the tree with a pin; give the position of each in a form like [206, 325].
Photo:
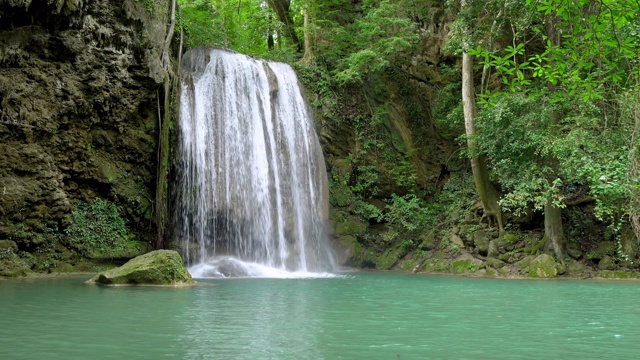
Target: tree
[574, 77]
[308, 51]
[486, 191]
[281, 7]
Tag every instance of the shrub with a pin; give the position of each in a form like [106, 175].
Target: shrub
[97, 227]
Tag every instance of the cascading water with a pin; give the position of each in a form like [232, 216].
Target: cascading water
[252, 193]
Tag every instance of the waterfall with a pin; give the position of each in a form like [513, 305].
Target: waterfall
[251, 186]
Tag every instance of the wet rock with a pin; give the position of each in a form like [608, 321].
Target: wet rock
[160, 267]
[348, 247]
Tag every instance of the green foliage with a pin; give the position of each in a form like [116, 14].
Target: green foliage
[148, 4]
[382, 37]
[577, 133]
[242, 26]
[410, 213]
[97, 227]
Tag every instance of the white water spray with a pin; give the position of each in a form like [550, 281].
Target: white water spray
[252, 189]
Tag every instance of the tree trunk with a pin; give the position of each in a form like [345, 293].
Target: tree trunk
[634, 165]
[308, 52]
[487, 192]
[162, 201]
[281, 7]
[553, 228]
[270, 43]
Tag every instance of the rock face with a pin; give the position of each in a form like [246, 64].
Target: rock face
[78, 113]
[160, 267]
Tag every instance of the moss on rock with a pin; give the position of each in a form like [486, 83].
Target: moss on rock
[607, 263]
[465, 263]
[11, 265]
[160, 267]
[544, 266]
[437, 265]
[390, 258]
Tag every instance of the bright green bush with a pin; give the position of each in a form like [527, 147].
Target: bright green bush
[97, 227]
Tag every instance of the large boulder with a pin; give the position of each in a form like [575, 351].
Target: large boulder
[544, 266]
[607, 263]
[481, 241]
[160, 267]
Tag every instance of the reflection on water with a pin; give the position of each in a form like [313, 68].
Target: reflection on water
[363, 316]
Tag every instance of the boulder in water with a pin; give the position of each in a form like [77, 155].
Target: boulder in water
[160, 267]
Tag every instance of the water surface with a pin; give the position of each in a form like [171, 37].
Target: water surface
[362, 316]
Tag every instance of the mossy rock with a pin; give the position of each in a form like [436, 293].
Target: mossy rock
[505, 271]
[491, 271]
[428, 241]
[160, 267]
[607, 263]
[457, 240]
[481, 241]
[543, 266]
[348, 248]
[436, 265]
[629, 243]
[124, 250]
[408, 265]
[510, 238]
[494, 263]
[604, 248]
[342, 169]
[577, 269]
[524, 263]
[574, 251]
[493, 251]
[340, 196]
[364, 258]
[11, 265]
[537, 246]
[390, 258]
[351, 226]
[5, 245]
[465, 264]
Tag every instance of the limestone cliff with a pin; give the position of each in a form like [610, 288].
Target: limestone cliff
[79, 86]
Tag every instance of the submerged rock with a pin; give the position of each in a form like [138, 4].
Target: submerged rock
[160, 267]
